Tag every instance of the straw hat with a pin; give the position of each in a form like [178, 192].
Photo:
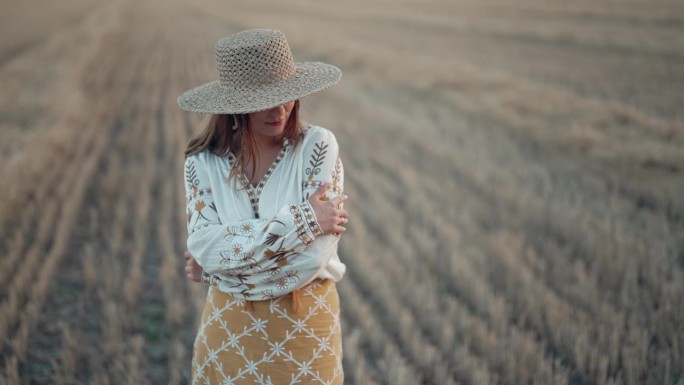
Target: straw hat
[257, 72]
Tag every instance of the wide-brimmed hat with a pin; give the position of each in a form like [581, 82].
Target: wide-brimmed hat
[256, 72]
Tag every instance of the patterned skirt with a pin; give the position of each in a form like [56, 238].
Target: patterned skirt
[293, 339]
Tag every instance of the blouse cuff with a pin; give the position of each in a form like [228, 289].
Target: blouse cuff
[208, 280]
[305, 221]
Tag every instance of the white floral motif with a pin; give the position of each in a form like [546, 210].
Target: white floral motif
[277, 347]
[260, 325]
[233, 340]
[320, 301]
[299, 325]
[250, 369]
[304, 368]
[323, 343]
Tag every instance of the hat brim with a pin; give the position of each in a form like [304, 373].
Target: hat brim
[214, 98]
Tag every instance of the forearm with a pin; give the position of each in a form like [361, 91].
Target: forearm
[254, 245]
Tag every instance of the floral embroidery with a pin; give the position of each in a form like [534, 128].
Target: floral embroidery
[241, 277]
[197, 211]
[199, 206]
[279, 256]
[315, 184]
[243, 280]
[306, 230]
[196, 193]
[291, 276]
[268, 294]
[227, 257]
[337, 176]
[239, 231]
[191, 176]
[210, 280]
[257, 253]
[237, 250]
[249, 265]
[334, 188]
[312, 223]
[317, 158]
[271, 239]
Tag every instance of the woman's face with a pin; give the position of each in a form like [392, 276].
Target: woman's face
[271, 123]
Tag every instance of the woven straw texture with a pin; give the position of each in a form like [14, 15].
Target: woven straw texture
[256, 72]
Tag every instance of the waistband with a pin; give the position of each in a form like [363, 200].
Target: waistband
[296, 300]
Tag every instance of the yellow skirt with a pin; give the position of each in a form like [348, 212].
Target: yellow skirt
[278, 341]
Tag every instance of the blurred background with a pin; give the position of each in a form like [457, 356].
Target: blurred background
[515, 172]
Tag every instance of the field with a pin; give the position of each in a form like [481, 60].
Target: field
[515, 172]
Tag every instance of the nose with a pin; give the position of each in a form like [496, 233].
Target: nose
[278, 111]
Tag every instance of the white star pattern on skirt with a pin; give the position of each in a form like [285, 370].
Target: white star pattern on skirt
[231, 341]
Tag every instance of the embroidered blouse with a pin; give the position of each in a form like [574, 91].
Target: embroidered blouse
[262, 242]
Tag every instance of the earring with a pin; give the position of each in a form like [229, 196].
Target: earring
[235, 126]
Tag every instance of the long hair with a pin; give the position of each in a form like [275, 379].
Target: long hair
[219, 138]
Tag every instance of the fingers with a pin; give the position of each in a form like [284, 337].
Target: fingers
[329, 212]
[191, 273]
[341, 216]
[338, 229]
[320, 192]
[337, 201]
[342, 220]
[189, 265]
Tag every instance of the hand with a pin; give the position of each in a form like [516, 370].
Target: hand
[331, 217]
[193, 271]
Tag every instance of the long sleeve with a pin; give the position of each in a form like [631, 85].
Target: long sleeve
[238, 248]
[323, 165]
[318, 164]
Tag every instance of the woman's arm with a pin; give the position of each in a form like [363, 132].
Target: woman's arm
[240, 247]
[322, 165]
[322, 178]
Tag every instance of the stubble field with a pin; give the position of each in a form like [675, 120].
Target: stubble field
[515, 173]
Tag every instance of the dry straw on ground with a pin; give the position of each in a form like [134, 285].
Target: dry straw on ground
[515, 173]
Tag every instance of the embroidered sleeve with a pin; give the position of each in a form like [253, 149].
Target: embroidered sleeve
[239, 248]
[322, 165]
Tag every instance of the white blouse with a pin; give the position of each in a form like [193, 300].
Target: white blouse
[262, 242]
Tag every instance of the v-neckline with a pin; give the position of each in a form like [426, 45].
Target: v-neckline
[254, 192]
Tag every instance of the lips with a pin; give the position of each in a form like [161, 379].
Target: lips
[276, 123]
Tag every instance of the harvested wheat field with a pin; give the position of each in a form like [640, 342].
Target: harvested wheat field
[515, 173]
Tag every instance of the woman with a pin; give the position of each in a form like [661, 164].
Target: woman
[264, 215]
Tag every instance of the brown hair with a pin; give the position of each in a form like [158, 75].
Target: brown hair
[219, 138]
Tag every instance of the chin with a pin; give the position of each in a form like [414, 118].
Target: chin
[267, 130]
